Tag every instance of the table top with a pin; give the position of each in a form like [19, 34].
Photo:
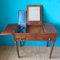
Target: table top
[9, 29]
[47, 27]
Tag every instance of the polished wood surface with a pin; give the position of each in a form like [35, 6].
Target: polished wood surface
[45, 32]
[9, 29]
[33, 32]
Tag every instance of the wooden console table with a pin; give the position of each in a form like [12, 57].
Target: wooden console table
[46, 32]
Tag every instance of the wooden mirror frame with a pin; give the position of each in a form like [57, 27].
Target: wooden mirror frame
[34, 22]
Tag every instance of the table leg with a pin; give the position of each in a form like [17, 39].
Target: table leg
[47, 43]
[51, 49]
[17, 48]
[21, 43]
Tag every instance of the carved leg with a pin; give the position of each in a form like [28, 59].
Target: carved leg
[51, 49]
[21, 43]
[47, 43]
[17, 48]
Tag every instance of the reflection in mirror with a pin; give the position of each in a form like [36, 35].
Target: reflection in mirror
[34, 13]
[22, 18]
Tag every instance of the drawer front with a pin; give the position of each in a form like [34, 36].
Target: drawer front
[20, 36]
[40, 37]
[43, 37]
[25, 36]
[30, 37]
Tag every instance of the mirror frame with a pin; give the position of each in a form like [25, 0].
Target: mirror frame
[34, 22]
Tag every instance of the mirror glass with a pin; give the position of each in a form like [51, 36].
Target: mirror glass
[22, 18]
[34, 13]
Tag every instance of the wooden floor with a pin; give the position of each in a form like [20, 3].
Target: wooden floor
[29, 53]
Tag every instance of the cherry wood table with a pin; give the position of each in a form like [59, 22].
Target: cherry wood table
[45, 32]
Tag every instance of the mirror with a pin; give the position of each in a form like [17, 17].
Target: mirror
[21, 21]
[34, 13]
[22, 17]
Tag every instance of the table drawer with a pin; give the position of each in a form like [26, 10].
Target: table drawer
[26, 36]
[20, 35]
[40, 37]
[30, 37]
